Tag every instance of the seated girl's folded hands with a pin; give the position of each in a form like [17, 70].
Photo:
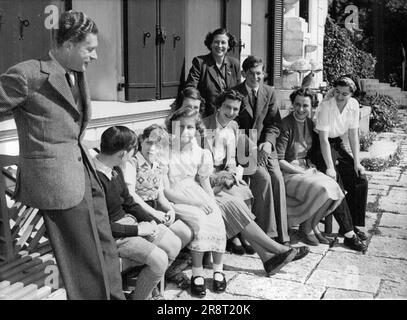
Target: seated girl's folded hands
[169, 217]
[160, 216]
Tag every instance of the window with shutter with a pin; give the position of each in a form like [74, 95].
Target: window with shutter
[23, 34]
[232, 22]
[275, 45]
[154, 41]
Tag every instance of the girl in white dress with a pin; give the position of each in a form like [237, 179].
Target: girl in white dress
[187, 186]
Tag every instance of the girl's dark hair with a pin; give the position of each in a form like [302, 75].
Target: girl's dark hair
[74, 26]
[189, 92]
[211, 35]
[154, 132]
[229, 94]
[117, 138]
[185, 112]
[305, 92]
[346, 81]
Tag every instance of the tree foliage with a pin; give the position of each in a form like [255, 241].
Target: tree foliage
[341, 56]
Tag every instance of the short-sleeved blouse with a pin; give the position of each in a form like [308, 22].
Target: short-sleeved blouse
[329, 119]
[189, 162]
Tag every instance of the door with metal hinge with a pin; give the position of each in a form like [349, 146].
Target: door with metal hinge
[23, 32]
[140, 50]
[154, 48]
[232, 22]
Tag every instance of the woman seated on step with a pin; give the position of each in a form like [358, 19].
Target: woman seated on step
[224, 160]
[311, 195]
[236, 214]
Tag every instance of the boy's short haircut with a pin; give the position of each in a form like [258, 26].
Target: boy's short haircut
[251, 62]
[117, 138]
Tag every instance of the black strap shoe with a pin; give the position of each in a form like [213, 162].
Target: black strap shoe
[219, 286]
[247, 247]
[355, 243]
[274, 264]
[236, 249]
[301, 252]
[361, 235]
[198, 290]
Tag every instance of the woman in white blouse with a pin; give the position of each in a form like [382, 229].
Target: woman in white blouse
[335, 116]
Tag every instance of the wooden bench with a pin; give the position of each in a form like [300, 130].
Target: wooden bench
[129, 270]
[25, 251]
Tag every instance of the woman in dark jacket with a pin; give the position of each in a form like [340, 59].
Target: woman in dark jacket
[215, 72]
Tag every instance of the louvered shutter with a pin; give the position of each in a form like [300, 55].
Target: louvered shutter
[275, 46]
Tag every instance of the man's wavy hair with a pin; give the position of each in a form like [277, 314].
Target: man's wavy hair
[74, 26]
[185, 112]
[211, 35]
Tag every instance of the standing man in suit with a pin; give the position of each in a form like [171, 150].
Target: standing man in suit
[50, 102]
[215, 72]
[259, 112]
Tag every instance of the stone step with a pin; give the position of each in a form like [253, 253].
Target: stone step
[378, 86]
[369, 81]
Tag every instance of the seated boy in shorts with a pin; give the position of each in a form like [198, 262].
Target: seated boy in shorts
[137, 235]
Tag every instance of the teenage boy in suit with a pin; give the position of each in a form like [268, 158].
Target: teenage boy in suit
[259, 112]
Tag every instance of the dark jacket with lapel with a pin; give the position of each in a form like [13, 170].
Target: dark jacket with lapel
[50, 175]
[267, 118]
[203, 76]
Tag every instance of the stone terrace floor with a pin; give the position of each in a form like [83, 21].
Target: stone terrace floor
[335, 273]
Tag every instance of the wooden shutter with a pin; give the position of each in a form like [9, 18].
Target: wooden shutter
[140, 19]
[36, 40]
[232, 16]
[172, 51]
[275, 45]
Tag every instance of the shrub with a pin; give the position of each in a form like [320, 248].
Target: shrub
[367, 140]
[381, 164]
[341, 56]
[384, 115]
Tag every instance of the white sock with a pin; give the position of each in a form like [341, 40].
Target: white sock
[349, 234]
[197, 271]
[217, 268]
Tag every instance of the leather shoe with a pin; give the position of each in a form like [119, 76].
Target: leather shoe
[361, 235]
[247, 247]
[198, 290]
[309, 239]
[355, 243]
[236, 249]
[219, 286]
[322, 239]
[301, 252]
[274, 264]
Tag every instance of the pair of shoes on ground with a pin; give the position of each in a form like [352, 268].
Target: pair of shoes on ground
[241, 249]
[274, 264]
[313, 239]
[199, 290]
[356, 242]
